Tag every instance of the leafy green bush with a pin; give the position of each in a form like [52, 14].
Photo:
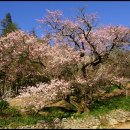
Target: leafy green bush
[3, 105]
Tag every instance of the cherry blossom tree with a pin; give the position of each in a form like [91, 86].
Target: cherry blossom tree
[81, 33]
[94, 42]
[20, 56]
[23, 55]
[45, 94]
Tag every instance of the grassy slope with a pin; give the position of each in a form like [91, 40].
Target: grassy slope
[13, 118]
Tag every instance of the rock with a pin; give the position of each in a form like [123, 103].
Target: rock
[41, 121]
[43, 113]
[56, 120]
[94, 127]
[128, 119]
[62, 104]
[122, 120]
[113, 121]
[24, 112]
[64, 119]
[41, 124]
[104, 120]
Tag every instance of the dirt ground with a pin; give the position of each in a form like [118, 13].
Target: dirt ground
[125, 125]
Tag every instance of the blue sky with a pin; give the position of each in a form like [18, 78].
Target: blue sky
[25, 13]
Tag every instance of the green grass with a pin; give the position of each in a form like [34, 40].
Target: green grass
[15, 121]
[111, 88]
[104, 106]
[13, 118]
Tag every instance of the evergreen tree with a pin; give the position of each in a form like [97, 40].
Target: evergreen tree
[8, 25]
[33, 32]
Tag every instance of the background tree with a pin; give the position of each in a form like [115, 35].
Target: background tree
[8, 25]
[33, 32]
